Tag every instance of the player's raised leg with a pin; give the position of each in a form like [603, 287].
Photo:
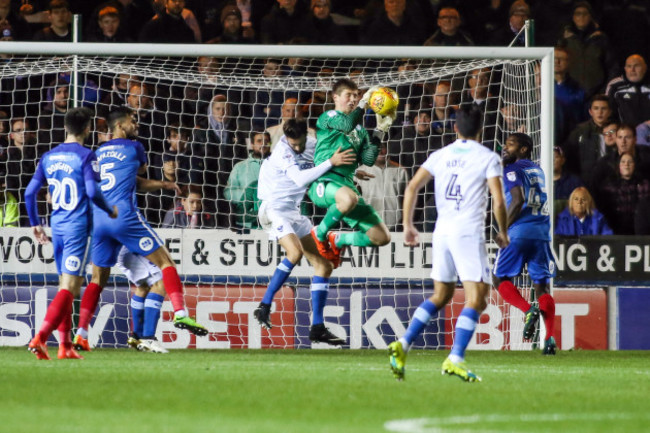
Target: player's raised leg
[320, 282]
[174, 288]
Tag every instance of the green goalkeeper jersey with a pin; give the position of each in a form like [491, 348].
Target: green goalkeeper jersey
[335, 129]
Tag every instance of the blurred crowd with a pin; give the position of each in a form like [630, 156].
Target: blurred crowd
[211, 139]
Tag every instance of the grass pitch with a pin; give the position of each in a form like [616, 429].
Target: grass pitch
[322, 391]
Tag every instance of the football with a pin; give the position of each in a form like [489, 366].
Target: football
[383, 101]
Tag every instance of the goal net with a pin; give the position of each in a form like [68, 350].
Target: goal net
[198, 109]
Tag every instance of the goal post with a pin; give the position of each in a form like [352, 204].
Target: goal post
[225, 272]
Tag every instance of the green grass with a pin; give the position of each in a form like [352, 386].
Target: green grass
[269, 391]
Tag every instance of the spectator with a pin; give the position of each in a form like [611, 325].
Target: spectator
[443, 116]
[21, 161]
[580, 217]
[511, 34]
[563, 182]
[267, 103]
[568, 91]
[189, 164]
[618, 196]
[449, 33]
[478, 94]
[169, 26]
[395, 25]
[592, 61]
[119, 90]
[241, 190]
[233, 31]
[630, 93]
[415, 144]
[607, 167]
[189, 213]
[133, 14]
[59, 28]
[9, 209]
[586, 143]
[108, 27]
[150, 121]
[50, 122]
[13, 27]
[279, 26]
[290, 110]
[187, 15]
[384, 191]
[320, 29]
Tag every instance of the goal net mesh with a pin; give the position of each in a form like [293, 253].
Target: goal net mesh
[197, 118]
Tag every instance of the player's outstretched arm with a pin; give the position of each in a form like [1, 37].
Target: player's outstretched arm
[495, 184]
[411, 234]
[303, 178]
[148, 185]
[516, 204]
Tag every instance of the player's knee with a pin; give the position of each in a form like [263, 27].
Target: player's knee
[382, 239]
[346, 202]
[294, 256]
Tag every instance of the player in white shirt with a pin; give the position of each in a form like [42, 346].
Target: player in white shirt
[283, 181]
[464, 171]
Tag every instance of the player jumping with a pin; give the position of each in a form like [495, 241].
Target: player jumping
[335, 190]
[529, 228]
[283, 180]
[121, 160]
[71, 172]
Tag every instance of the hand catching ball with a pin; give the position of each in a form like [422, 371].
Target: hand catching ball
[383, 101]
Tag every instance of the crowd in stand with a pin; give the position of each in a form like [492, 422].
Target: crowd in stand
[215, 148]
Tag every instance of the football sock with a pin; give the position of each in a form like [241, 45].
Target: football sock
[511, 295]
[319, 288]
[174, 288]
[137, 313]
[65, 337]
[55, 313]
[89, 302]
[331, 218]
[420, 319]
[152, 306]
[353, 238]
[547, 307]
[280, 275]
[465, 326]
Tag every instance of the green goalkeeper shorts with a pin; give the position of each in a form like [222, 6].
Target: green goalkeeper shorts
[363, 217]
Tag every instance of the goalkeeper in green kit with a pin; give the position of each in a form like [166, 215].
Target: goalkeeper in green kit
[335, 190]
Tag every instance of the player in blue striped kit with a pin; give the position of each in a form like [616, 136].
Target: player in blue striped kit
[529, 228]
[71, 171]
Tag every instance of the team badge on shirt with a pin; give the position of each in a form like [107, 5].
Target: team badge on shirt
[512, 176]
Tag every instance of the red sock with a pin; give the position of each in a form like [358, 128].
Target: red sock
[65, 327]
[173, 287]
[89, 302]
[547, 307]
[511, 295]
[55, 313]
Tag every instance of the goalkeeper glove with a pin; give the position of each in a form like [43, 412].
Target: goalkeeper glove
[384, 122]
[363, 103]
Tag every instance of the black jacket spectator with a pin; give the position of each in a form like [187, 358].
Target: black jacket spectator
[383, 31]
[279, 27]
[630, 94]
[165, 28]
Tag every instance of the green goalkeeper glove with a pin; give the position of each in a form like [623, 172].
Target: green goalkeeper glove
[363, 103]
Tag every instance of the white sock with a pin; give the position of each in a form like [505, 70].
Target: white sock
[83, 332]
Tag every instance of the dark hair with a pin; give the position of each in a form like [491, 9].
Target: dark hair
[295, 128]
[77, 120]
[116, 115]
[468, 120]
[254, 133]
[628, 127]
[58, 4]
[524, 140]
[344, 83]
[600, 97]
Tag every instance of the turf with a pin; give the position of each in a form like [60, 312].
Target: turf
[322, 391]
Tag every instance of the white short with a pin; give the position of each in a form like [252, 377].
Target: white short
[138, 269]
[464, 257]
[279, 222]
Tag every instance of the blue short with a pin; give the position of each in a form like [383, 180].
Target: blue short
[131, 230]
[536, 253]
[71, 252]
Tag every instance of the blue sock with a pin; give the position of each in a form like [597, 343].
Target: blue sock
[465, 326]
[420, 319]
[137, 313]
[152, 306]
[280, 275]
[319, 288]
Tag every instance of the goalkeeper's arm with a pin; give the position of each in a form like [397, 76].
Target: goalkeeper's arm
[371, 149]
